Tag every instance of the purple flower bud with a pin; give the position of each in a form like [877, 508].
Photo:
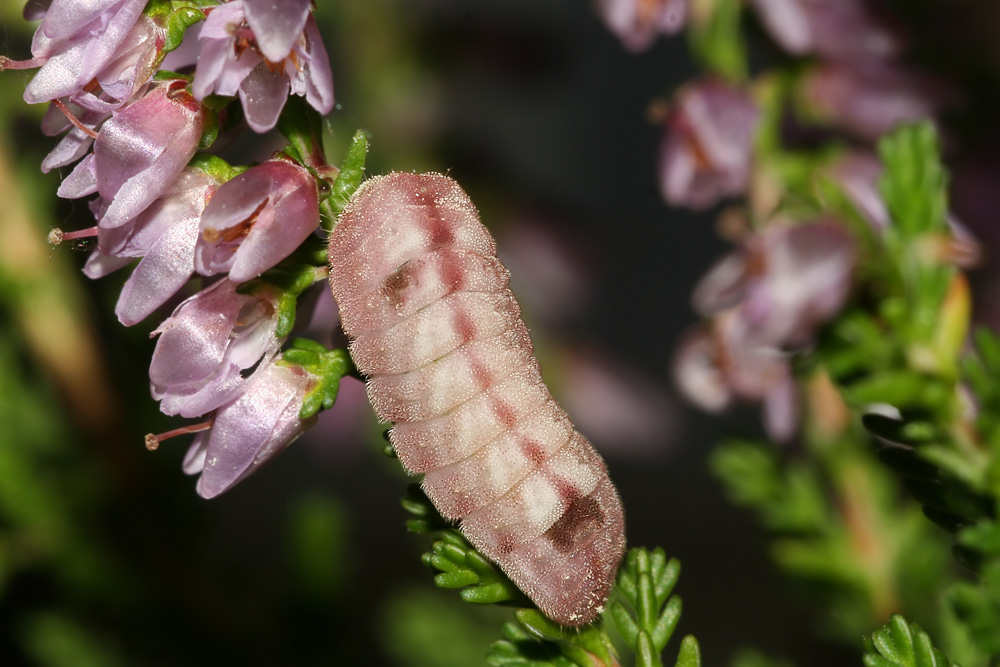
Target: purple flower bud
[871, 100]
[262, 52]
[143, 148]
[207, 345]
[251, 430]
[637, 23]
[75, 41]
[844, 30]
[707, 148]
[257, 219]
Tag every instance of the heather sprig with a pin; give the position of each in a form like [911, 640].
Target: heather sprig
[142, 138]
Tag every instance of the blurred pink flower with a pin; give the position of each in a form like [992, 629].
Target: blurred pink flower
[251, 430]
[261, 51]
[784, 283]
[707, 148]
[844, 30]
[257, 219]
[720, 362]
[638, 23]
[869, 101]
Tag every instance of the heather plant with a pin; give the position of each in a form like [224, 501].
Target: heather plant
[843, 311]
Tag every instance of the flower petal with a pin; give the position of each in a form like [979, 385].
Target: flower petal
[263, 93]
[162, 272]
[254, 428]
[276, 25]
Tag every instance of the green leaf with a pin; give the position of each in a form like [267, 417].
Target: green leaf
[690, 653]
[326, 366]
[215, 167]
[914, 186]
[901, 644]
[717, 38]
[177, 23]
[978, 606]
[642, 607]
[352, 170]
[914, 181]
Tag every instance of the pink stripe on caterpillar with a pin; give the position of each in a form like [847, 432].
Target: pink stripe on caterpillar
[419, 283]
[448, 359]
[434, 331]
[431, 444]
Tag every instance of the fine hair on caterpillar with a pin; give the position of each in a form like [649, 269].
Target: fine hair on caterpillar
[438, 334]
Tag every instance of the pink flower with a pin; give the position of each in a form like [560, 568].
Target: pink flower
[131, 67]
[785, 282]
[251, 430]
[74, 42]
[257, 219]
[261, 51]
[869, 101]
[139, 152]
[723, 362]
[764, 299]
[637, 23]
[707, 148]
[845, 30]
[207, 345]
[164, 236]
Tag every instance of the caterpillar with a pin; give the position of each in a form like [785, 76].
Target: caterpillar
[438, 334]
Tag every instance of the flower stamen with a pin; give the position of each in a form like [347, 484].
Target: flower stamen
[57, 236]
[9, 63]
[153, 441]
[73, 119]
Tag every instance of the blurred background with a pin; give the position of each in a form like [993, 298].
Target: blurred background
[107, 555]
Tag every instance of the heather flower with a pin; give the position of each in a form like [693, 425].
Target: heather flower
[723, 362]
[708, 145]
[844, 30]
[262, 52]
[74, 42]
[785, 282]
[257, 219]
[132, 66]
[164, 236]
[139, 152]
[871, 100]
[637, 23]
[250, 430]
[207, 346]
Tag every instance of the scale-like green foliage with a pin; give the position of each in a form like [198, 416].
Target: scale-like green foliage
[902, 644]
